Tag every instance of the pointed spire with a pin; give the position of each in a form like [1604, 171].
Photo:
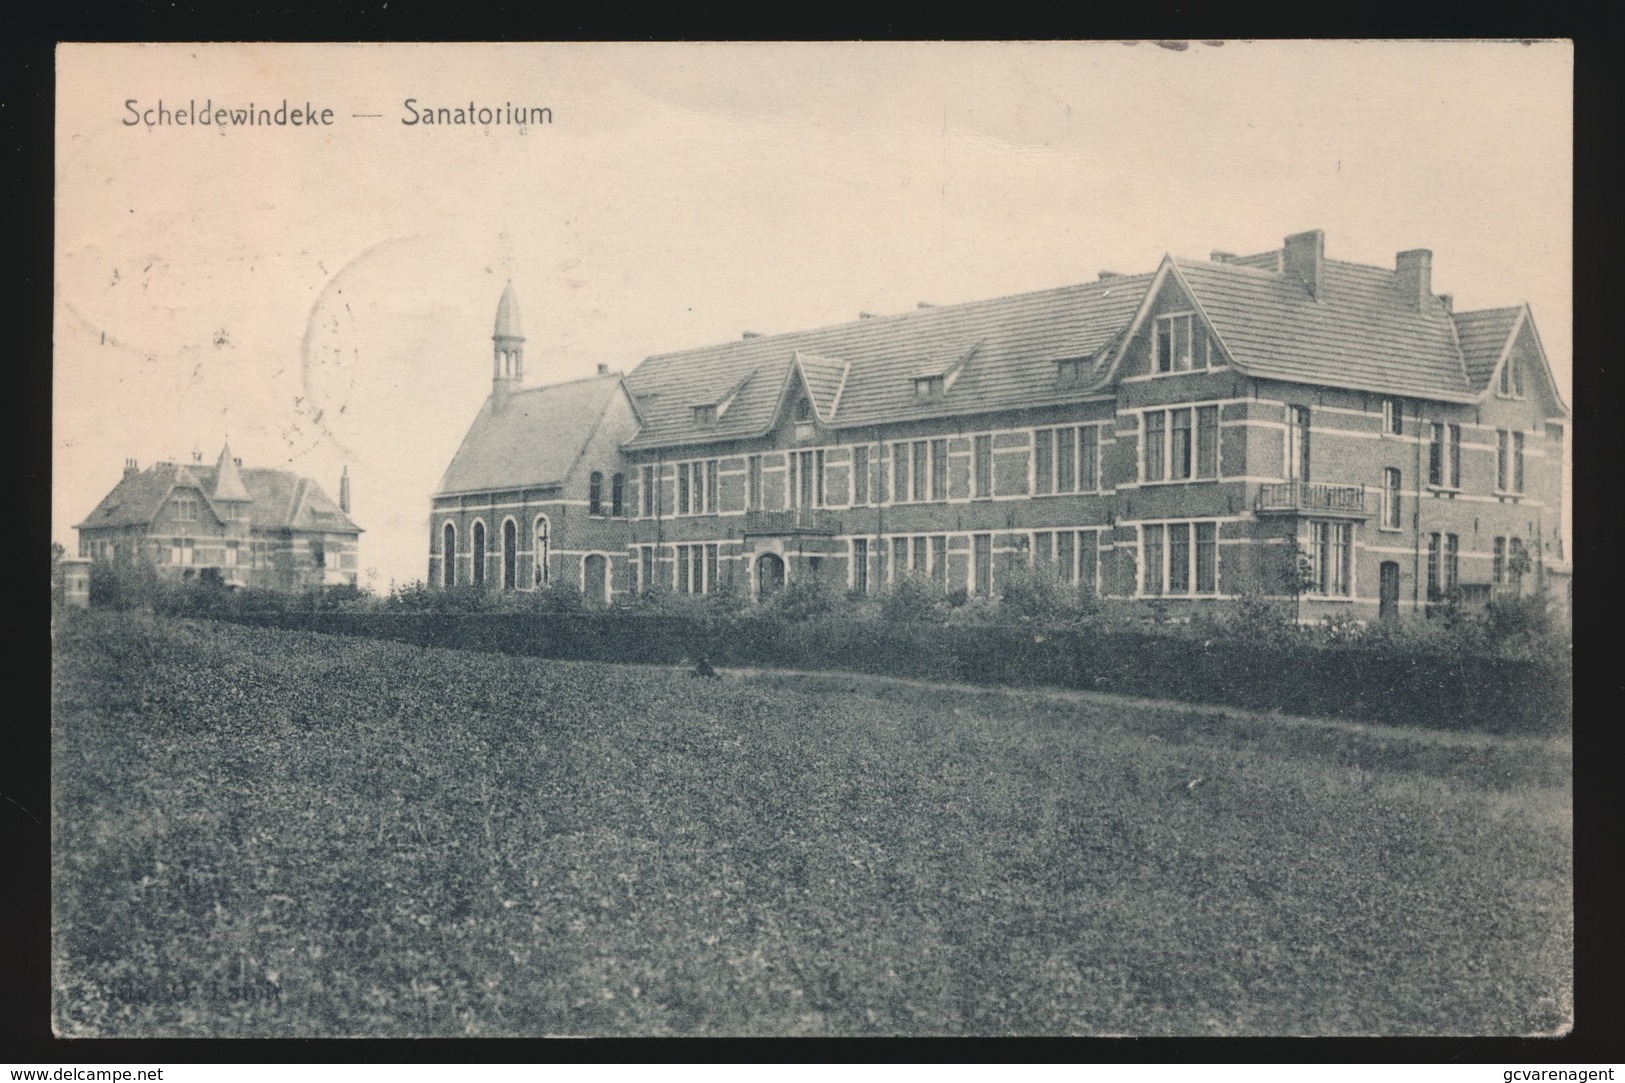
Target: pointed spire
[228, 479]
[508, 325]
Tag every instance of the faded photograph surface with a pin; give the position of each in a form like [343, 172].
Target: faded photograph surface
[812, 539]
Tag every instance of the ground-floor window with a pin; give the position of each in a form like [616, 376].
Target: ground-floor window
[697, 568]
[1073, 555]
[860, 565]
[646, 567]
[1444, 555]
[1331, 559]
[1179, 559]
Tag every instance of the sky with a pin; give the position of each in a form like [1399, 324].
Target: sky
[322, 296]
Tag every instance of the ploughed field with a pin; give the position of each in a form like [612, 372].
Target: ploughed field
[262, 832]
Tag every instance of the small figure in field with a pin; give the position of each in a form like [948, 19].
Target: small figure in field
[704, 669]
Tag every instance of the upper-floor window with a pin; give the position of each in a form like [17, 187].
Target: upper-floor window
[1512, 379]
[697, 487]
[929, 387]
[1508, 461]
[1067, 460]
[860, 474]
[1444, 456]
[753, 481]
[706, 415]
[647, 492]
[1071, 371]
[1390, 498]
[617, 495]
[803, 410]
[919, 470]
[1182, 344]
[595, 493]
[1393, 417]
[806, 481]
[982, 472]
[1297, 443]
[186, 509]
[1179, 444]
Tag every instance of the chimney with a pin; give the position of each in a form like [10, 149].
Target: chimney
[1109, 274]
[752, 334]
[1413, 277]
[1221, 257]
[924, 304]
[1448, 301]
[603, 369]
[131, 468]
[344, 491]
[866, 315]
[1304, 255]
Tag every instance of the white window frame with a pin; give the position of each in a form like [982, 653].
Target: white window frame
[1167, 557]
[1194, 410]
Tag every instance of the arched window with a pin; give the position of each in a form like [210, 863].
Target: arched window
[448, 557]
[541, 550]
[510, 556]
[803, 409]
[479, 553]
[617, 495]
[595, 494]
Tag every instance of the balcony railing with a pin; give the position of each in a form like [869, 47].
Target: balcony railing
[1302, 496]
[792, 521]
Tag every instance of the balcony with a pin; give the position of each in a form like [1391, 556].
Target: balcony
[792, 521]
[1304, 498]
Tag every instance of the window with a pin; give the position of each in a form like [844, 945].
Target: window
[231, 554]
[1517, 462]
[186, 509]
[939, 561]
[1179, 453]
[1512, 379]
[711, 467]
[448, 556]
[804, 411]
[806, 488]
[648, 492]
[983, 472]
[982, 564]
[1089, 458]
[929, 387]
[510, 554]
[753, 482]
[1297, 443]
[1044, 461]
[697, 568]
[705, 416]
[542, 551]
[1180, 344]
[180, 551]
[1066, 460]
[1070, 372]
[939, 470]
[1175, 558]
[1508, 461]
[1390, 498]
[595, 493]
[920, 560]
[697, 487]
[920, 470]
[682, 488]
[1444, 456]
[1173, 450]
[646, 568]
[1153, 460]
[1444, 558]
[860, 475]
[1517, 561]
[899, 558]
[1331, 552]
[1393, 417]
[479, 553]
[1498, 575]
[899, 463]
[860, 565]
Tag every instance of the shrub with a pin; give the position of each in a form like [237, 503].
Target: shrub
[912, 598]
[805, 598]
[133, 585]
[1039, 595]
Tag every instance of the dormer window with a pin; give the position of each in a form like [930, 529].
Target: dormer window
[1181, 344]
[803, 409]
[1512, 379]
[1070, 371]
[705, 416]
[930, 387]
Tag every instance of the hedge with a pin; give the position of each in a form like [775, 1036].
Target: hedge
[1385, 684]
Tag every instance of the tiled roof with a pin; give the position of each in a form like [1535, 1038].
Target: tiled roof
[1483, 337]
[1357, 334]
[534, 438]
[1021, 338]
[281, 499]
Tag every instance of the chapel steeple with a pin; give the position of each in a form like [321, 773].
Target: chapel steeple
[508, 347]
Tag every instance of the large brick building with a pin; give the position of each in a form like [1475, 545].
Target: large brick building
[1281, 424]
[257, 527]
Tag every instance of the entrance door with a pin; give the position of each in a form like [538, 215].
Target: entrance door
[769, 575]
[1388, 591]
[593, 585]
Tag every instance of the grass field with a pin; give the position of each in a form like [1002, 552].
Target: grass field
[275, 833]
